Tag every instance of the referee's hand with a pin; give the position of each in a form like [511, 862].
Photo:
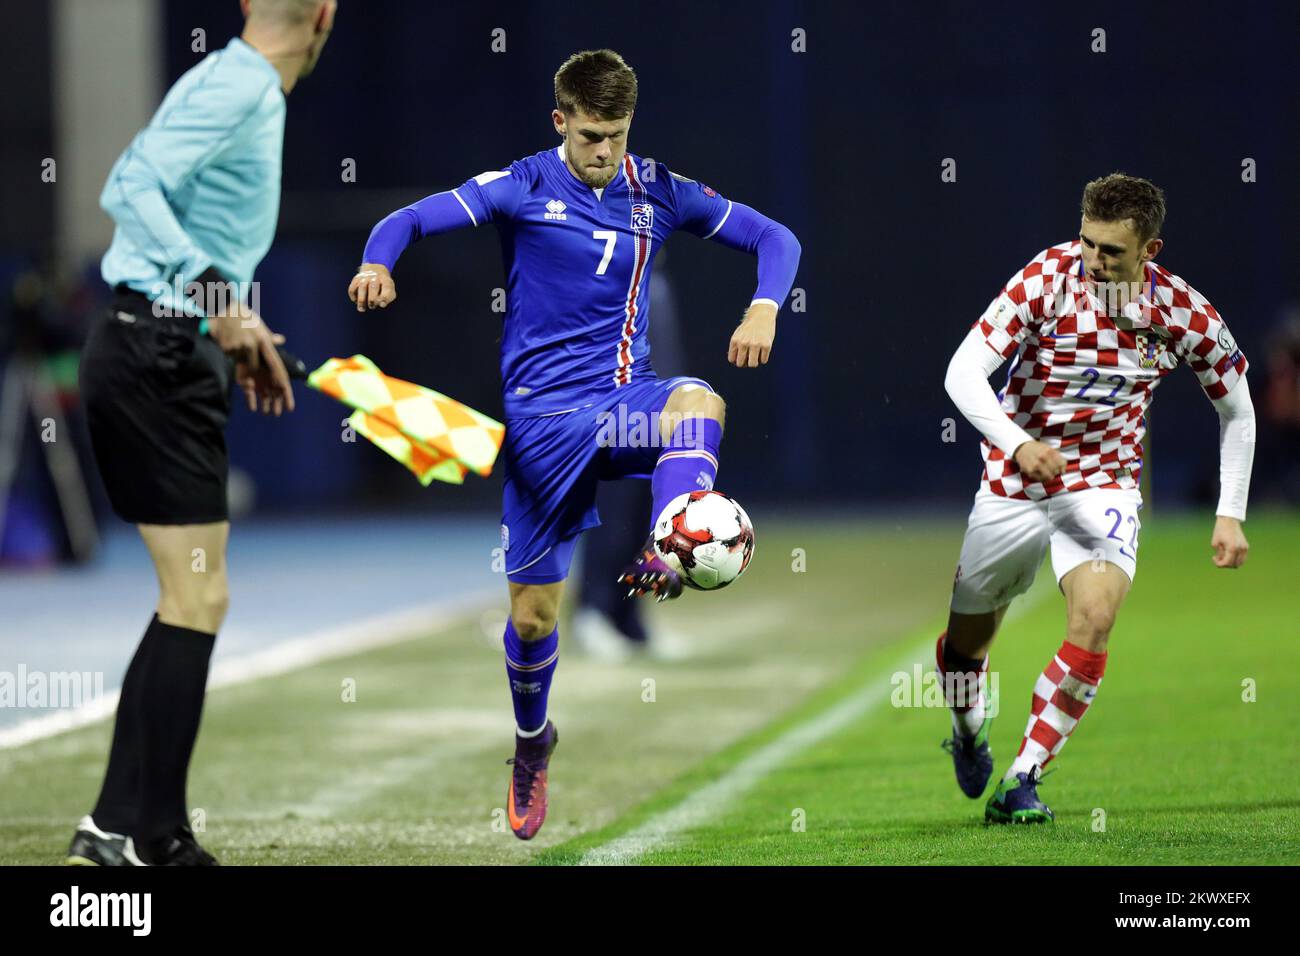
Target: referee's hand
[372, 287]
[243, 336]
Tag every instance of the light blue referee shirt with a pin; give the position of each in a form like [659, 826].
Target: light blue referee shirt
[199, 187]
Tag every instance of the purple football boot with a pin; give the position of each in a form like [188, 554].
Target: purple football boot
[649, 573]
[526, 799]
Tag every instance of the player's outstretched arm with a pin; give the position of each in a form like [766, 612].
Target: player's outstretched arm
[1236, 457]
[373, 286]
[967, 384]
[778, 254]
[488, 197]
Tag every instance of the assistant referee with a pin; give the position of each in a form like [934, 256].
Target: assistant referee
[195, 198]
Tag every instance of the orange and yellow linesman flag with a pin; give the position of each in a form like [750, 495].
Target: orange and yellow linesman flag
[436, 437]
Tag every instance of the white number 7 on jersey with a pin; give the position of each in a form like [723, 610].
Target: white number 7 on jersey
[609, 238]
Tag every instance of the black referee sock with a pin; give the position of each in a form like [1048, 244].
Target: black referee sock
[119, 797]
[175, 678]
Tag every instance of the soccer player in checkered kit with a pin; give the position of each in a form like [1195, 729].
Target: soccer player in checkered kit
[195, 198]
[1092, 326]
[580, 225]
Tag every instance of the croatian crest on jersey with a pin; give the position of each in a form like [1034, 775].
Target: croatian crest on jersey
[1151, 348]
[643, 215]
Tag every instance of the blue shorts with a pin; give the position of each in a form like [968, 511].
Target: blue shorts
[552, 465]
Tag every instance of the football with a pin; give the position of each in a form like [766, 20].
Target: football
[705, 537]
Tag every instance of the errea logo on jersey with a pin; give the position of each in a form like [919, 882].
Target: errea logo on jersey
[555, 210]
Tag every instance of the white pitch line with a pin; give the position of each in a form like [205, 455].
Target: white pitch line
[715, 799]
[380, 630]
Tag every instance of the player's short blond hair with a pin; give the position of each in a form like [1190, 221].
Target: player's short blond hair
[1117, 197]
[595, 82]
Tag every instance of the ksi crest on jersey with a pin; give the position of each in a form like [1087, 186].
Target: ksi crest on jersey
[643, 215]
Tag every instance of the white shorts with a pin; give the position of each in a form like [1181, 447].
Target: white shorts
[1007, 538]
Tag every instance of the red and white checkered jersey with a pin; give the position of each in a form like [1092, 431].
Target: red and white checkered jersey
[1082, 379]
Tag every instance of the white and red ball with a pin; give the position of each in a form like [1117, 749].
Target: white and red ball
[705, 537]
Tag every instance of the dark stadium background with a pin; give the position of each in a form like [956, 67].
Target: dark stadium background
[774, 704]
[843, 143]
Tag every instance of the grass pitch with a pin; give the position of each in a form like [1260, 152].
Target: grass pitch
[729, 757]
[1174, 764]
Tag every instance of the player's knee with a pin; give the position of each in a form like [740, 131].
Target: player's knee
[715, 407]
[709, 402]
[694, 399]
[533, 624]
[1091, 624]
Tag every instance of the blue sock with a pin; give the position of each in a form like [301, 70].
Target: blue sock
[689, 463]
[530, 666]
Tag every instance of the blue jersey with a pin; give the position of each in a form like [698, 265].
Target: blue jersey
[578, 263]
[575, 343]
[199, 187]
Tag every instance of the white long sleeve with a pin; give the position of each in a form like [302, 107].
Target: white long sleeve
[967, 384]
[1236, 450]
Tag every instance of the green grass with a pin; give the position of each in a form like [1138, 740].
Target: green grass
[414, 771]
[1184, 770]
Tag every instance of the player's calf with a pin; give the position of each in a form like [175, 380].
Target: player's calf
[1062, 695]
[965, 684]
[532, 651]
[1089, 626]
[691, 429]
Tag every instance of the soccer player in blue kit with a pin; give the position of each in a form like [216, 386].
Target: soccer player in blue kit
[580, 225]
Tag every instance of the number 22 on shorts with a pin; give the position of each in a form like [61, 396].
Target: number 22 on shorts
[1131, 521]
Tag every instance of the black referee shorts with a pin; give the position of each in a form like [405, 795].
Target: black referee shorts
[157, 398]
